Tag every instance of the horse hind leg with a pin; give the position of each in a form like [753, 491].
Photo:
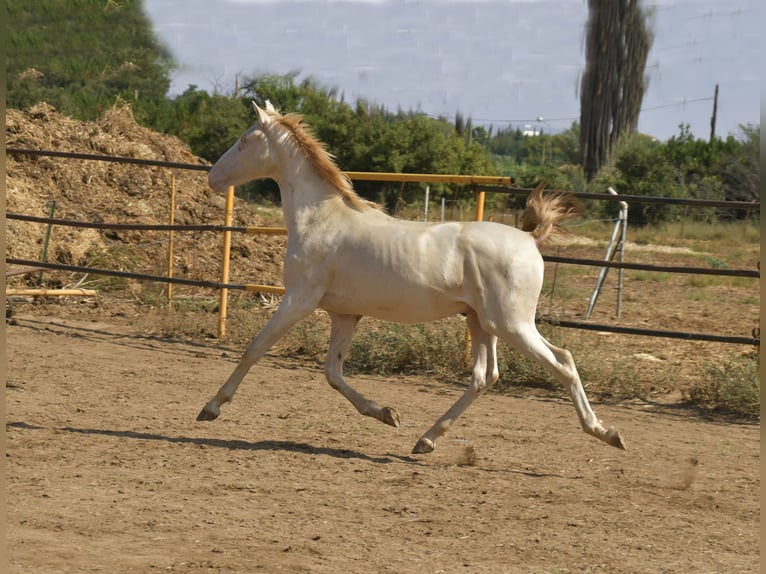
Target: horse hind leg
[560, 363]
[484, 374]
[341, 334]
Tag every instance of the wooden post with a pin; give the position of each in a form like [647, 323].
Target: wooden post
[48, 228]
[479, 217]
[170, 239]
[224, 303]
[42, 292]
[715, 115]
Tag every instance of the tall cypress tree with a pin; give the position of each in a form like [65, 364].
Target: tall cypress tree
[618, 40]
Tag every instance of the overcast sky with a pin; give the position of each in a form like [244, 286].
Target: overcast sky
[499, 62]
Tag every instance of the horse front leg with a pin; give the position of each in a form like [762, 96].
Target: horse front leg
[484, 374]
[290, 311]
[341, 334]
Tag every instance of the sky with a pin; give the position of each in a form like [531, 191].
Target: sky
[501, 62]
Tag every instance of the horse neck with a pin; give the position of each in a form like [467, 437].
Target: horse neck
[303, 192]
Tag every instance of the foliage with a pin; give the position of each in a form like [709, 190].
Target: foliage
[641, 168]
[208, 123]
[81, 55]
[367, 137]
[105, 50]
[684, 167]
[733, 387]
[544, 149]
[390, 348]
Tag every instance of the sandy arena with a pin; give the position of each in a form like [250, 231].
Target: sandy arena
[109, 472]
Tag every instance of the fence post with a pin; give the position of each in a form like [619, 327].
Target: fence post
[615, 245]
[47, 239]
[224, 303]
[480, 206]
[623, 239]
[171, 219]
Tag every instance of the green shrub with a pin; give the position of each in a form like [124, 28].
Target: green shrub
[438, 348]
[733, 387]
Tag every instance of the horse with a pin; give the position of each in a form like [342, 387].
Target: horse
[346, 256]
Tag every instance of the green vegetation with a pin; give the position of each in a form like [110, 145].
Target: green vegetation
[732, 388]
[82, 56]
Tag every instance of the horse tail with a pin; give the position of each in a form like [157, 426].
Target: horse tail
[544, 213]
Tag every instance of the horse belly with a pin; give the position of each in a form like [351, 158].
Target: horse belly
[395, 301]
[403, 272]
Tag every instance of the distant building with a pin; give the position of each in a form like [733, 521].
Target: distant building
[530, 131]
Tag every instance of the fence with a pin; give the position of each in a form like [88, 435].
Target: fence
[479, 184]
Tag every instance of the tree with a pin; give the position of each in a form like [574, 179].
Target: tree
[208, 123]
[82, 55]
[740, 164]
[613, 84]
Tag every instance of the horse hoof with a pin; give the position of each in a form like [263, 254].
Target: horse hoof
[424, 446]
[614, 438]
[209, 413]
[389, 416]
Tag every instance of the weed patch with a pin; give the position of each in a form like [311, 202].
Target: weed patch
[433, 348]
[732, 388]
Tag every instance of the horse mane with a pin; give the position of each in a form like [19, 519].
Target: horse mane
[322, 160]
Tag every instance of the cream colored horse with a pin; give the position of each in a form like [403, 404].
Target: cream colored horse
[349, 258]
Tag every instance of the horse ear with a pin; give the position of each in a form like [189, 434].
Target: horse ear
[263, 116]
[270, 107]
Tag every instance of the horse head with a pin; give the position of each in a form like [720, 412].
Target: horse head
[251, 157]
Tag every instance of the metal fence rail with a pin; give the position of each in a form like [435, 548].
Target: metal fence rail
[124, 274]
[657, 268]
[276, 289]
[756, 341]
[478, 184]
[746, 205]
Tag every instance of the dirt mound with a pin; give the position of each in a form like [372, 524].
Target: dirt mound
[96, 191]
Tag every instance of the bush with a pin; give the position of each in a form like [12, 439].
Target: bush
[432, 348]
[732, 388]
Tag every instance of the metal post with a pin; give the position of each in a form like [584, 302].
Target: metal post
[553, 284]
[425, 208]
[171, 219]
[623, 236]
[610, 252]
[480, 206]
[224, 302]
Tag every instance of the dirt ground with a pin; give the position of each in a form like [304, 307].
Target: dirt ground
[108, 471]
